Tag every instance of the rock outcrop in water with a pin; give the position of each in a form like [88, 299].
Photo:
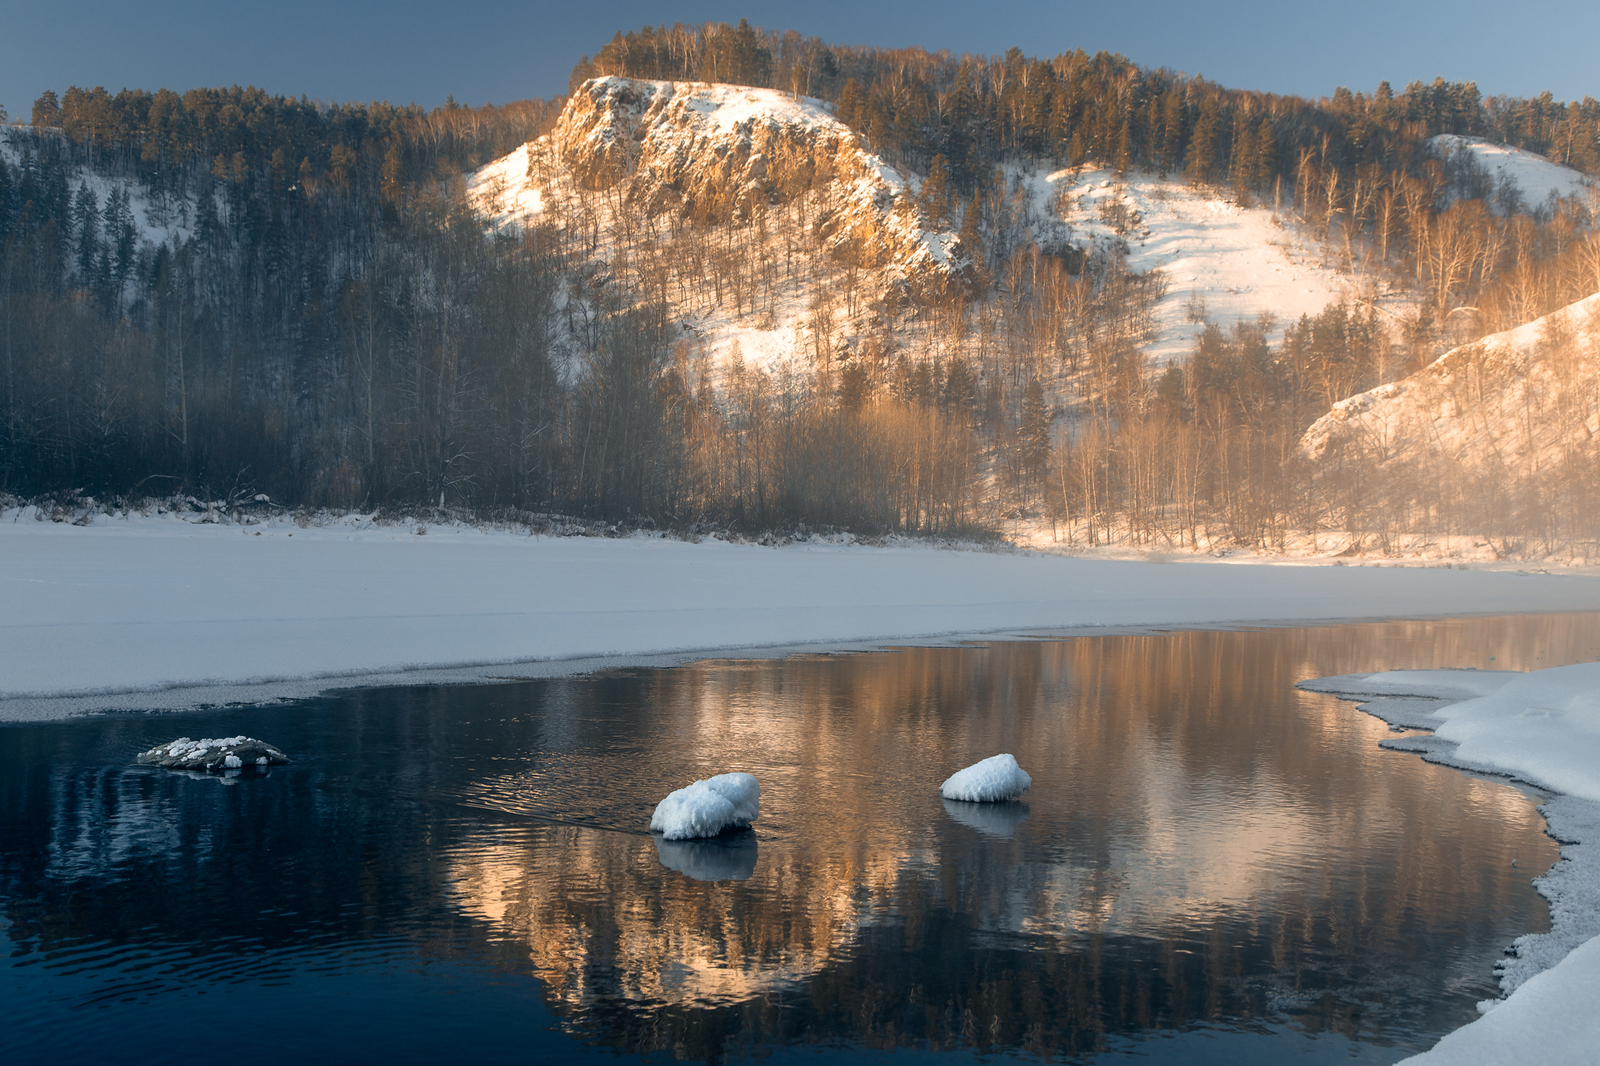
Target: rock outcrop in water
[213, 755]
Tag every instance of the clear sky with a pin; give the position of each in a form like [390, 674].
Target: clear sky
[478, 50]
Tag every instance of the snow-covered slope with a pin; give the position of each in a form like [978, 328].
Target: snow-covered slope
[717, 152]
[1514, 176]
[1510, 405]
[156, 221]
[1221, 260]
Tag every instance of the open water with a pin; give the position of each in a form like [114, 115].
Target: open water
[1212, 866]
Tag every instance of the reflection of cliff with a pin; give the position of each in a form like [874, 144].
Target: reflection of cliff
[1202, 842]
[1200, 838]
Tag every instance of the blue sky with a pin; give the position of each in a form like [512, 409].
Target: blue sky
[405, 50]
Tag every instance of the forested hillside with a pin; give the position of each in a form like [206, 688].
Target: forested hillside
[223, 293]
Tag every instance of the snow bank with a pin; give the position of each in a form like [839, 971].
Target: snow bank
[1542, 727]
[1551, 1019]
[707, 807]
[1428, 684]
[993, 780]
[135, 614]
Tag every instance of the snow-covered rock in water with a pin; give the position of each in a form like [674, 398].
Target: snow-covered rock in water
[993, 780]
[731, 858]
[213, 754]
[707, 807]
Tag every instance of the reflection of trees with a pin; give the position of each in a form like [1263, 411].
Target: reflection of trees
[1168, 871]
[1172, 866]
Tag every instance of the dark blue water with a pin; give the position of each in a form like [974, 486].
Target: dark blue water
[1211, 867]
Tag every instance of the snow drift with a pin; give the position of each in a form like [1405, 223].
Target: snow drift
[993, 780]
[707, 807]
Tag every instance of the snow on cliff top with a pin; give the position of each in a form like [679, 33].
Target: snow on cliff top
[1535, 177]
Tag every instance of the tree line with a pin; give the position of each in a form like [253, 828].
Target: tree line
[333, 326]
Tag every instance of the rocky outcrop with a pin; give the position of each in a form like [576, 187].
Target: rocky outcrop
[726, 153]
[213, 755]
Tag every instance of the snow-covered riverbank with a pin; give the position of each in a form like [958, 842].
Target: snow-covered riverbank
[158, 613]
[154, 612]
[1542, 727]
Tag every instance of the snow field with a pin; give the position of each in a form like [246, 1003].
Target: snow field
[707, 807]
[994, 780]
[138, 613]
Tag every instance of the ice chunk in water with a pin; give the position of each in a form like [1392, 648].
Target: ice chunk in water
[707, 807]
[990, 781]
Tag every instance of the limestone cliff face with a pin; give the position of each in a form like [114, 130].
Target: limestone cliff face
[1506, 408]
[726, 153]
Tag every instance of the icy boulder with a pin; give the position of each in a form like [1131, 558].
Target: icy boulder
[707, 807]
[993, 780]
[215, 755]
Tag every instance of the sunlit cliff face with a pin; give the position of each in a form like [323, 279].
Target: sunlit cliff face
[1186, 799]
[634, 151]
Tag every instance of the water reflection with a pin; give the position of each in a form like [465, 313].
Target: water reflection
[1203, 845]
[731, 857]
[992, 819]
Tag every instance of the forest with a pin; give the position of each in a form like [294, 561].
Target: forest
[337, 328]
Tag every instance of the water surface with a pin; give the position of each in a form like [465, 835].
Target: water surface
[1212, 866]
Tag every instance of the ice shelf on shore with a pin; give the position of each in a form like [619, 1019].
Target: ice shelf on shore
[995, 779]
[278, 610]
[707, 807]
[1542, 727]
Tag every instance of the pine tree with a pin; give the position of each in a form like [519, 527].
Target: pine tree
[1266, 153]
[970, 240]
[86, 233]
[1033, 430]
[934, 197]
[1203, 145]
